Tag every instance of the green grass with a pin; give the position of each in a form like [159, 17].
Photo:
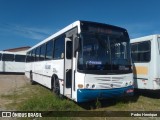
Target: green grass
[39, 98]
[44, 100]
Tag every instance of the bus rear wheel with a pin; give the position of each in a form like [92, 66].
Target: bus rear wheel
[31, 79]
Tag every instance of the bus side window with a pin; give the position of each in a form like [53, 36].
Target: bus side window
[141, 52]
[0, 56]
[42, 52]
[20, 58]
[69, 50]
[30, 56]
[134, 51]
[58, 47]
[27, 57]
[37, 54]
[8, 57]
[49, 50]
[159, 44]
[33, 55]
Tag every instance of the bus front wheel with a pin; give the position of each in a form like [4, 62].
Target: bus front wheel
[56, 88]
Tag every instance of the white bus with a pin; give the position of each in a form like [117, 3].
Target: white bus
[84, 61]
[12, 62]
[146, 62]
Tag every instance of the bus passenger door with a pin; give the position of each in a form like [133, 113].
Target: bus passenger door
[68, 68]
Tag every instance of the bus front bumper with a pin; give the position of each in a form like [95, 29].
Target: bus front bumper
[84, 95]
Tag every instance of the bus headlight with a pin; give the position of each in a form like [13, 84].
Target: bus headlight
[87, 85]
[130, 83]
[93, 86]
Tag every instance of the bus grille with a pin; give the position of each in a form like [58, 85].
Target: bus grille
[109, 82]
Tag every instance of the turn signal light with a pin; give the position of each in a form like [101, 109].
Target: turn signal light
[80, 86]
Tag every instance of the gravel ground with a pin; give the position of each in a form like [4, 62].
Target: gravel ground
[8, 84]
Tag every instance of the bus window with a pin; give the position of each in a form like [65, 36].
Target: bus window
[69, 50]
[37, 54]
[159, 44]
[49, 50]
[0, 56]
[8, 57]
[141, 52]
[20, 58]
[58, 47]
[33, 55]
[28, 57]
[42, 52]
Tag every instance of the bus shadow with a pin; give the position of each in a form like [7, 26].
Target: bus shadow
[91, 105]
[11, 73]
[155, 94]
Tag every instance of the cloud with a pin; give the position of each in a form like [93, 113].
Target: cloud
[25, 31]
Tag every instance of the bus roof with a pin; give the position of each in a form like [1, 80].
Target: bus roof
[74, 24]
[144, 38]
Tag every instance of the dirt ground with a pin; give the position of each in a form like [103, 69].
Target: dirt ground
[8, 84]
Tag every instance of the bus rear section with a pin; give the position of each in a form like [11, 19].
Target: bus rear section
[146, 57]
[12, 62]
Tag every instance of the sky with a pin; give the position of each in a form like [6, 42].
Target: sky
[27, 22]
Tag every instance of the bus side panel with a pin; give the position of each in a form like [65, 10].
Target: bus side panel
[37, 70]
[146, 72]
[53, 67]
[20, 66]
[43, 71]
[13, 66]
[156, 67]
[158, 59]
[27, 69]
[141, 72]
[141, 76]
[1, 70]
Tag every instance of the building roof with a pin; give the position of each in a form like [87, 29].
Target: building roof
[18, 49]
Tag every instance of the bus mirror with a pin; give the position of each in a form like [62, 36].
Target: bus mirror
[76, 45]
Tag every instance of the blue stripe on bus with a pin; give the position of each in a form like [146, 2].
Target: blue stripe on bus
[92, 94]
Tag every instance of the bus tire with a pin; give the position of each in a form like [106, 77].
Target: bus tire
[56, 87]
[31, 79]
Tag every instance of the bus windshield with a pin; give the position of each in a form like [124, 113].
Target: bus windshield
[101, 51]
